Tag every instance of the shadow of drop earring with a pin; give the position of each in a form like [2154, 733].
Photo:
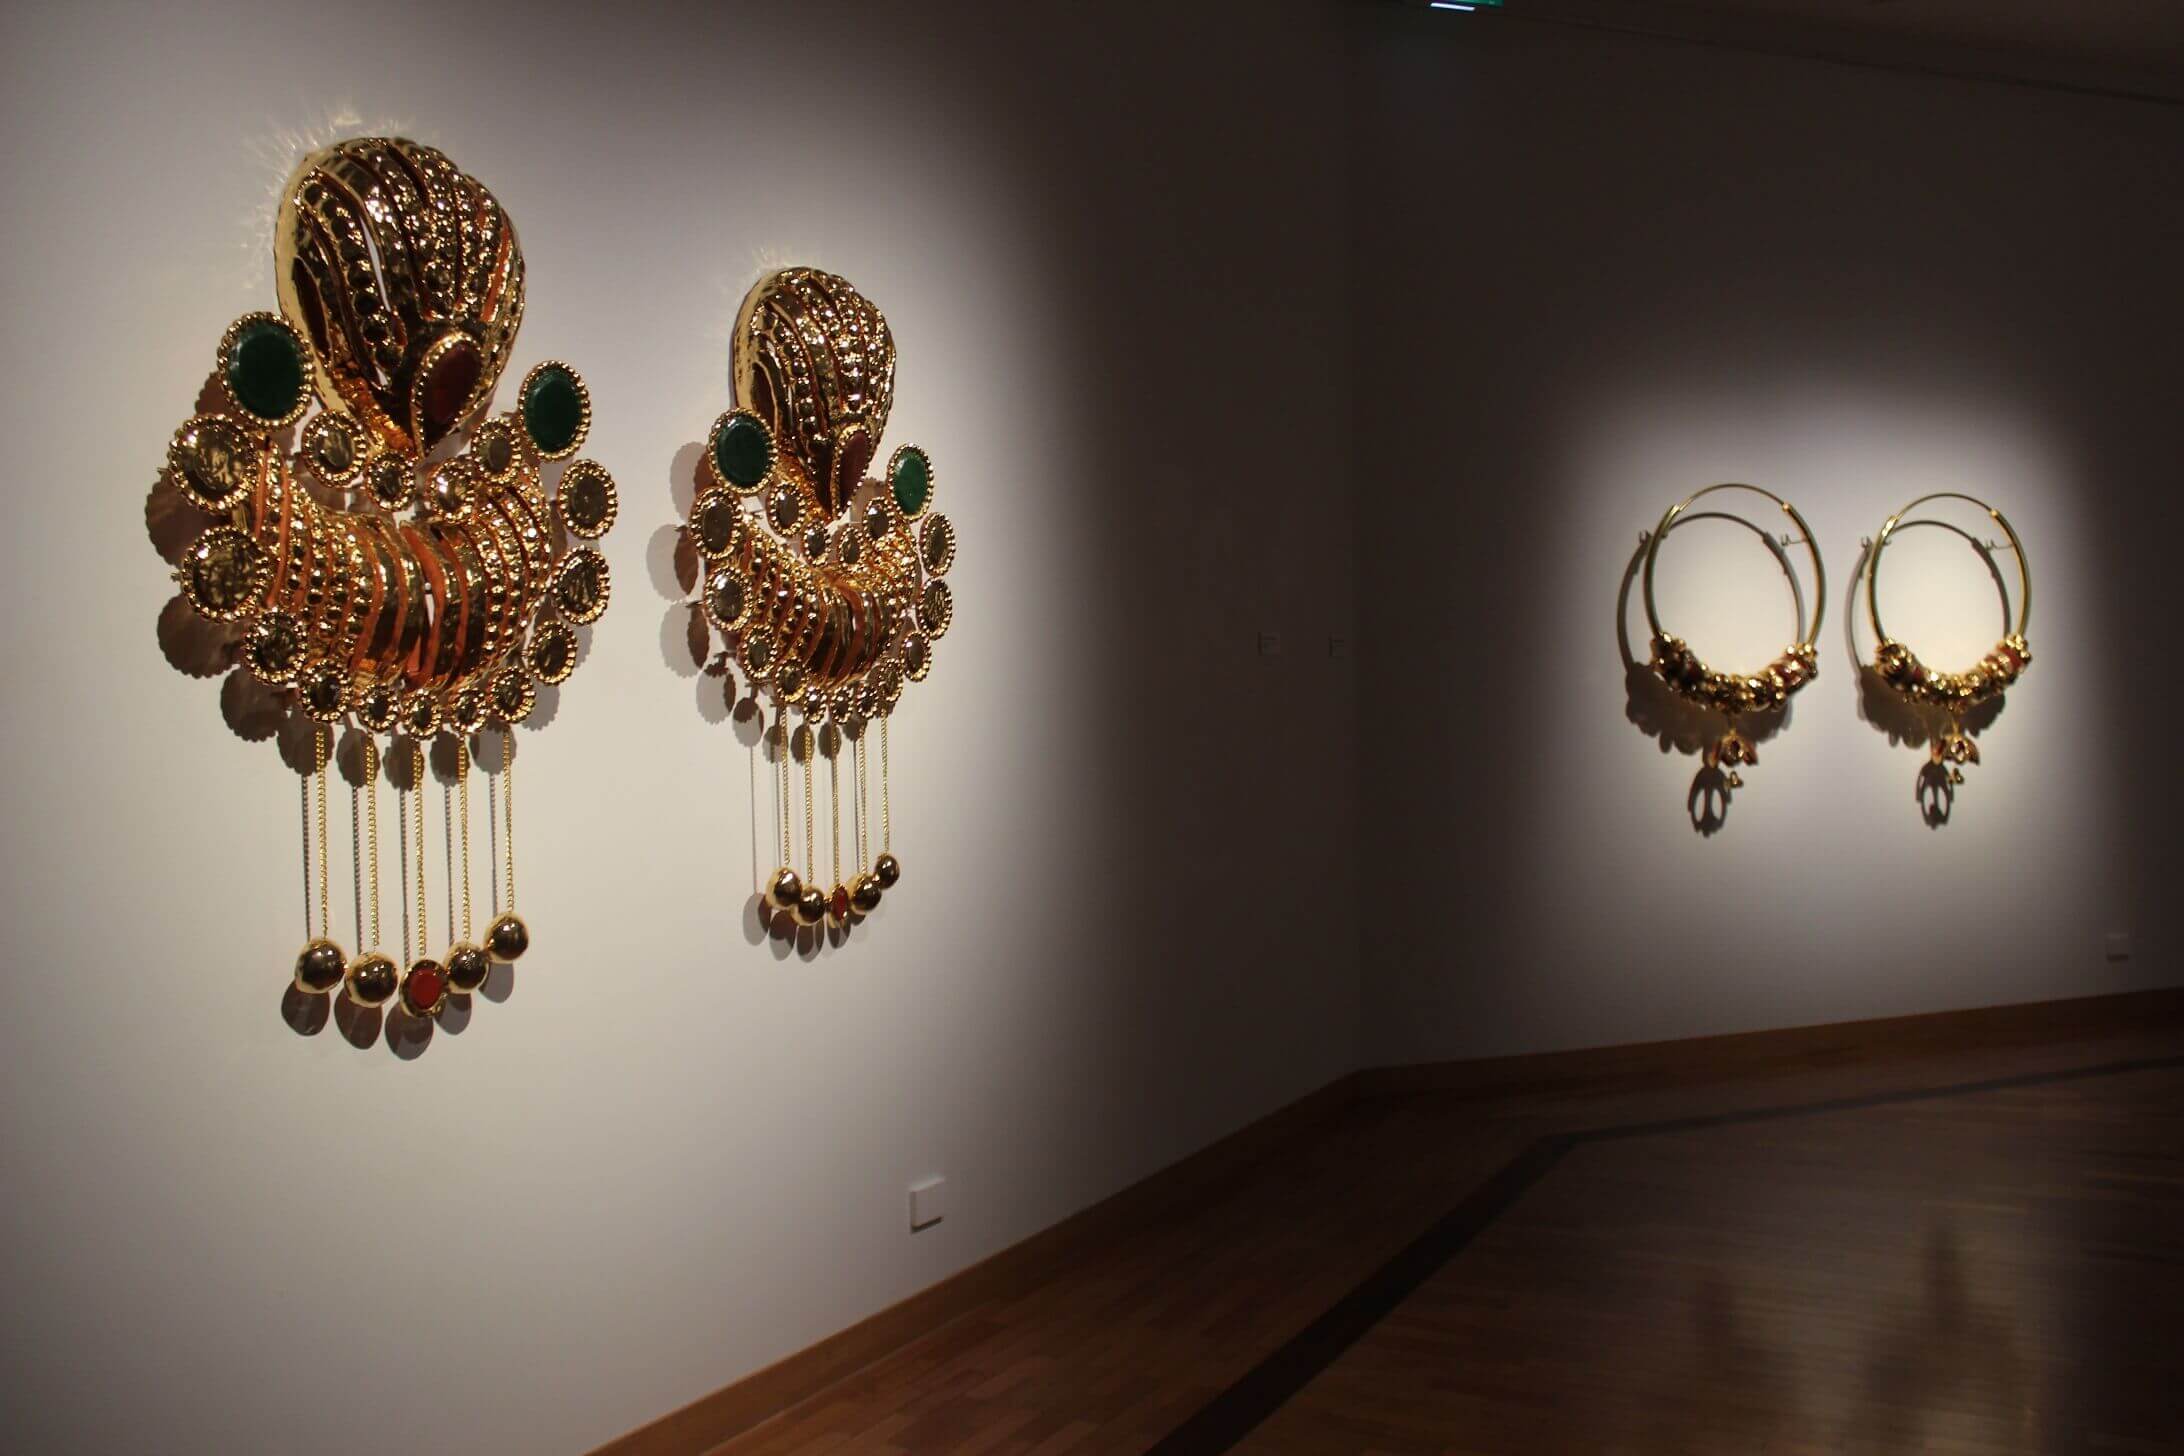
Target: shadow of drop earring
[1730, 694]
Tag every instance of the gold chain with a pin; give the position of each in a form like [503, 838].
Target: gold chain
[811, 840]
[508, 809]
[781, 745]
[371, 807]
[356, 858]
[834, 807]
[418, 794]
[322, 742]
[861, 800]
[887, 828]
[462, 783]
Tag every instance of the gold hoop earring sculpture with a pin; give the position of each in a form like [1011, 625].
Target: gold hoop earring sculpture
[1955, 693]
[368, 570]
[1733, 694]
[827, 584]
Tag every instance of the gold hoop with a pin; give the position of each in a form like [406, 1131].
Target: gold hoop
[1731, 694]
[1953, 692]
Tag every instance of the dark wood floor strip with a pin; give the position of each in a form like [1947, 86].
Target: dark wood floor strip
[1230, 1416]
[1703, 1121]
[1260, 1391]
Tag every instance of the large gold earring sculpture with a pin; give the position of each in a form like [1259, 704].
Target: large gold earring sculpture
[827, 583]
[1734, 694]
[378, 549]
[1954, 693]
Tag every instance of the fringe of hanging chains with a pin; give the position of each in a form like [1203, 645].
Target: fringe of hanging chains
[802, 895]
[372, 978]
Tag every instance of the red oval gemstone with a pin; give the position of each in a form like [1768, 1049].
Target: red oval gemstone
[853, 449]
[840, 903]
[446, 389]
[424, 987]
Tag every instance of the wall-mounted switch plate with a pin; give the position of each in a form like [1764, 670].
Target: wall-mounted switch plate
[1270, 644]
[928, 1203]
[2118, 945]
[1338, 647]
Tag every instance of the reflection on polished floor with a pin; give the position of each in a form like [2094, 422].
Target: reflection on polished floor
[1967, 1253]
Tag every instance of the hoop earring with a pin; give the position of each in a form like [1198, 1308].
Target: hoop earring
[1955, 693]
[1727, 693]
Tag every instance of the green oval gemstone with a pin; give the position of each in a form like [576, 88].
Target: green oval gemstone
[553, 410]
[912, 481]
[741, 452]
[265, 370]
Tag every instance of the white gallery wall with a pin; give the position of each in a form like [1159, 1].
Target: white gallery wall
[674, 1151]
[1594, 274]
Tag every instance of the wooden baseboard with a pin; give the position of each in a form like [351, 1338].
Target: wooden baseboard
[757, 1397]
[1789, 1050]
[735, 1408]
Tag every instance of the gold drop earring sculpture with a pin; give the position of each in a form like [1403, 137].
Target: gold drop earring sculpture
[1954, 693]
[826, 583]
[1736, 694]
[378, 549]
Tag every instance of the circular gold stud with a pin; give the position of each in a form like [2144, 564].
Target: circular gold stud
[582, 586]
[214, 461]
[587, 500]
[224, 574]
[323, 689]
[508, 937]
[275, 648]
[420, 715]
[467, 966]
[716, 522]
[514, 694]
[336, 447]
[371, 980]
[320, 966]
[786, 889]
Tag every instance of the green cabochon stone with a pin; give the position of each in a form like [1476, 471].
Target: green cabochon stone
[553, 410]
[265, 370]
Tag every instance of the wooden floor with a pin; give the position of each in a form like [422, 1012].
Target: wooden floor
[1995, 1270]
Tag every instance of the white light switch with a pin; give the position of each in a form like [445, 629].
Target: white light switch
[928, 1203]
